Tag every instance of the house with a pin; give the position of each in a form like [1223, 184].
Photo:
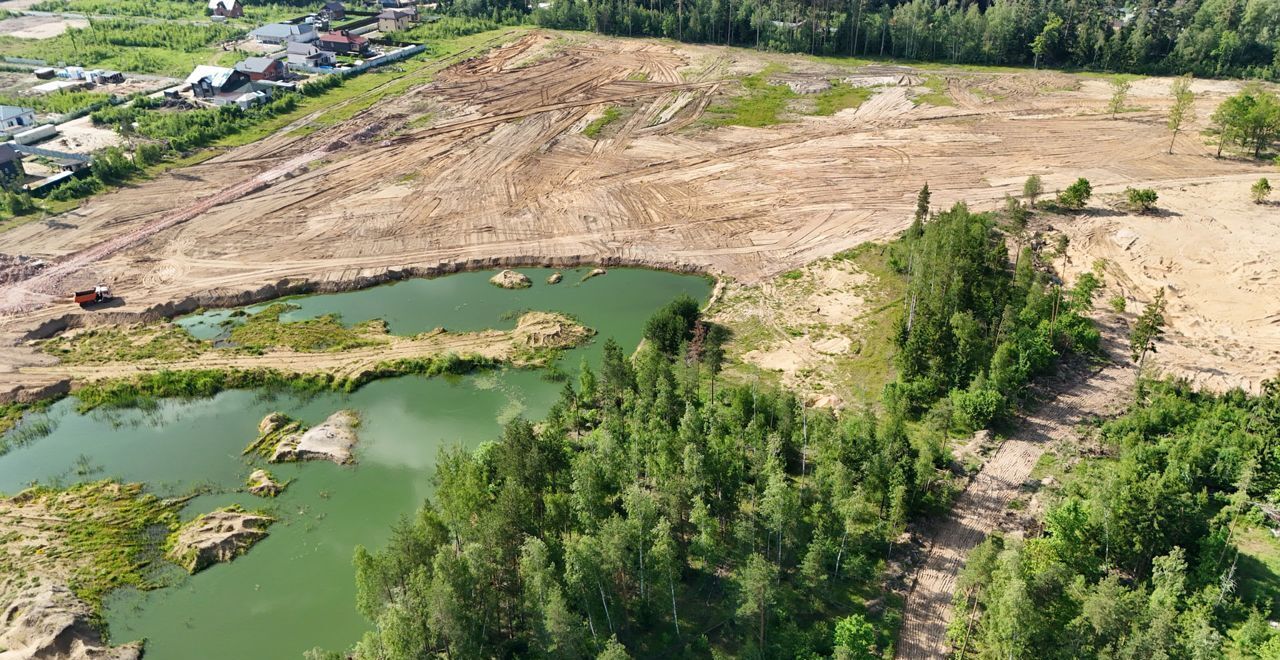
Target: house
[263, 68]
[11, 172]
[226, 8]
[14, 119]
[309, 55]
[222, 86]
[209, 81]
[334, 10]
[280, 33]
[395, 20]
[343, 42]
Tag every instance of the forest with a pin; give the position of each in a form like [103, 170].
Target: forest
[1140, 553]
[658, 512]
[1208, 38]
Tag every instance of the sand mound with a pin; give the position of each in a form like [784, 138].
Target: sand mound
[510, 279]
[262, 484]
[331, 440]
[50, 622]
[550, 330]
[217, 536]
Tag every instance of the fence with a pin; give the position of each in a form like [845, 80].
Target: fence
[373, 62]
[49, 153]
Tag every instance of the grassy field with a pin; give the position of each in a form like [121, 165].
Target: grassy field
[760, 104]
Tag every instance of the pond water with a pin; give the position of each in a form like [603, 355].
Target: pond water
[295, 590]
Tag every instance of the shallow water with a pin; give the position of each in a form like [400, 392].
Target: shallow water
[295, 590]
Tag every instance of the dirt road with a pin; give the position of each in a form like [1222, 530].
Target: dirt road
[1086, 393]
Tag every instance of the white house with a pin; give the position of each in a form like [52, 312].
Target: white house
[14, 119]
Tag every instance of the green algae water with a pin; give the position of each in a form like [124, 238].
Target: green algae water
[295, 590]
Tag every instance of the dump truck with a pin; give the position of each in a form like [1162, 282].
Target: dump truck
[98, 294]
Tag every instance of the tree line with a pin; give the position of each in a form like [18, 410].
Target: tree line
[1203, 37]
[1139, 556]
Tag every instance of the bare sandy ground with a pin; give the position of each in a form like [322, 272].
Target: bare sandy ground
[501, 172]
[1214, 252]
[37, 27]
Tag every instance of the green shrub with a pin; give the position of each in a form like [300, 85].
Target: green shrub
[1141, 200]
[1076, 195]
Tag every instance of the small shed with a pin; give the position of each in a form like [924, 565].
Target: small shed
[45, 73]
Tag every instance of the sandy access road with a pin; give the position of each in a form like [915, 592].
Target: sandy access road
[487, 164]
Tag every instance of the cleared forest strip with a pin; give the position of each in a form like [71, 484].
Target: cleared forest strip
[978, 511]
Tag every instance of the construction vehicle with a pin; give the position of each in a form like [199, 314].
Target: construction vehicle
[98, 294]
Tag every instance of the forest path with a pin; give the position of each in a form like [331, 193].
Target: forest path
[1083, 393]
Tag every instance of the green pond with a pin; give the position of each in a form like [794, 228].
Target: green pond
[295, 590]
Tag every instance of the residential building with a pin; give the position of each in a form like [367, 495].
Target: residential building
[226, 8]
[14, 119]
[263, 68]
[310, 55]
[395, 20]
[334, 10]
[281, 33]
[223, 86]
[11, 172]
[343, 43]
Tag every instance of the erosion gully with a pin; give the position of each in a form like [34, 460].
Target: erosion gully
[295, 590]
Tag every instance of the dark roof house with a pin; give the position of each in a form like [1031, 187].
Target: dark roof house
[335, 10]
[343, 42]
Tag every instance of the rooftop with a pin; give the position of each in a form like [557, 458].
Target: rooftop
[217, 75]
[256, 64]
[11, 111]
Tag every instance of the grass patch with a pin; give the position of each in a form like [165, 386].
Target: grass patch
[1259, 569]
[100, 534]
[265, 330]
[611, 114]
[162, 342]
[870, 367]
[841, 96]
[758, 105]
[144, 390]
[937, 94]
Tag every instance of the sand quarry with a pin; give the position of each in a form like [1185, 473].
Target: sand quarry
[486, 164]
